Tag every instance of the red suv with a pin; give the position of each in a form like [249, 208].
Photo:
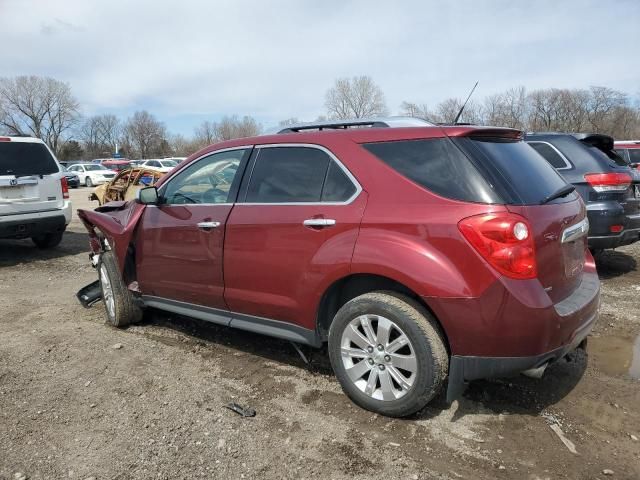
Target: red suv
[417, 253]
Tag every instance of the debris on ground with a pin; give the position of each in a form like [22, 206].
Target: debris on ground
[117, 346]
[240, 410]
[567, 443]
[607, 471]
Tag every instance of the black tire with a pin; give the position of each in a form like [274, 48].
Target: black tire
[47, 240]
[88, 182]
[124, 309]
[426, 344]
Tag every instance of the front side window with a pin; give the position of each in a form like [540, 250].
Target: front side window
[297, 175]
[210, 180]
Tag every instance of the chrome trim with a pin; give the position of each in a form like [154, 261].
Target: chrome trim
[576, 231]
[208, 225]
[319, 222]
[349, 175]
[567, 166]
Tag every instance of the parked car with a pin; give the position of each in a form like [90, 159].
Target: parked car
[34, 196]
[92, 173]
[116, 164]
[610, 189]
[125, 185]
[73, 181]
[629, 150]
[417, 253]
[162, 165]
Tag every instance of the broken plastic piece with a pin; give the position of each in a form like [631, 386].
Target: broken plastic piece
[240, 410]
[90, 294]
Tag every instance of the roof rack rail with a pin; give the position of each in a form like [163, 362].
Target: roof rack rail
[388, 122]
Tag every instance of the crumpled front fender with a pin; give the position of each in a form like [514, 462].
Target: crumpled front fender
[116, 222]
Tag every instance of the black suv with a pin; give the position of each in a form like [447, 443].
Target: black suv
[610, 189]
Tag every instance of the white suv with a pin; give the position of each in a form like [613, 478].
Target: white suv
[92, 173]
[34, 196]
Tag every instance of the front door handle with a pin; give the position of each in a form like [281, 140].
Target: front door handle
[208, 225]
[319, 222]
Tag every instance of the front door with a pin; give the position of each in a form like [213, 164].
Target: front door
[179, 244]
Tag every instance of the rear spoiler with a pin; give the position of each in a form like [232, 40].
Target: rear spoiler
[598, 140]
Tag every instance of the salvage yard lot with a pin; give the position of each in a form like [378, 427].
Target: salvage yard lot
[80, 399]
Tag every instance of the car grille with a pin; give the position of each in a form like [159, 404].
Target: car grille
[108, 175]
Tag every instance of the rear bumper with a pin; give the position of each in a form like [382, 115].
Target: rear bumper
[32, 226]
[605, 214]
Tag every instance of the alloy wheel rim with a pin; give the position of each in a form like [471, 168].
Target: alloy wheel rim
[107, 292]
[378, 357]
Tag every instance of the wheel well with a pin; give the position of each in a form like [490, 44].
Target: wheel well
[353, 286]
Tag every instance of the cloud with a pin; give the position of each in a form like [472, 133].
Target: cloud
[197, 58]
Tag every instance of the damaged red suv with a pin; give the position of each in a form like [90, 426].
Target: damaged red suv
[420, 253]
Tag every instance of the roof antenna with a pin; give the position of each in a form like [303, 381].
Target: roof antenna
[464, 104]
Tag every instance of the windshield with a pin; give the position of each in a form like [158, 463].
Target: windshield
[169, 163]
[92, 167]
[23, 158]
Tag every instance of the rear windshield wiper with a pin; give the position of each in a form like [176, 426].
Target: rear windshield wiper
[561, 192]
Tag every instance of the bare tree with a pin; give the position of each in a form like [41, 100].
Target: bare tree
[146, 135]
[100, 134]
[357, 97]
[228, 128]
[38, 106]
[410, 109]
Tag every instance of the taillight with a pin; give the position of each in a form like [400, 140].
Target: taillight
[65, 187]
[505, 241]
[5, 139]
[608, 182]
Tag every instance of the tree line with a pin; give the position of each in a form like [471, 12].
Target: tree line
[46, 108]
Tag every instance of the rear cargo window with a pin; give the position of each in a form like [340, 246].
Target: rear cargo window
[437, 165]
[22, 158]
[516, 170]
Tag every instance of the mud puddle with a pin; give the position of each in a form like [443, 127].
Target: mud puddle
[618, 356]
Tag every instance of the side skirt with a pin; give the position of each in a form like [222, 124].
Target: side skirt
[264, 326]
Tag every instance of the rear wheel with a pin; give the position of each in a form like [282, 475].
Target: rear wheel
[387, 353]
[119, 303]
[88, 182]
[47, 240]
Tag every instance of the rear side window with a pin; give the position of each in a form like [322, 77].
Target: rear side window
[437, 165]
[22, 158]
[297, 175]
[515, 169]
[550, 154]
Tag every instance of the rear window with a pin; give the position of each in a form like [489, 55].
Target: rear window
[22, 158]
[516, 171]
[609, 155]
[437, 165]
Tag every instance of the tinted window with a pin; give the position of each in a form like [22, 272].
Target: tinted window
[609, 155]
[21, 158]
[549, 154]
[634, 155]
[437, 165]
[516, 170]
[622, 153]
[209, 180]
[337, 186]
[288, 174]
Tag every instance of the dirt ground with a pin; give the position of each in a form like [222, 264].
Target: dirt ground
[80, 400]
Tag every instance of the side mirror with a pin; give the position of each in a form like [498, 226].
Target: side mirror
[148, 196]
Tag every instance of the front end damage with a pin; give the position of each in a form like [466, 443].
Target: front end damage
[111, 227]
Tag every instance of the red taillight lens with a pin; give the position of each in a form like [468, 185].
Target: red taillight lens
[505, 241]
[5, 139]
[65, 187]
[608, 182]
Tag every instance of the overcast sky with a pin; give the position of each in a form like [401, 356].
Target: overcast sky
[190, 60]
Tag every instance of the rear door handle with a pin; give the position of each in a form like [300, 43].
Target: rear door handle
[319, 222]
[208, 225]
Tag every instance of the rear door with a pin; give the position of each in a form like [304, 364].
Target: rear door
[294, 226]
[179, 243]
[30, 178]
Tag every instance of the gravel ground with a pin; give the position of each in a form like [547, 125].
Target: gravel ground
[80, 400]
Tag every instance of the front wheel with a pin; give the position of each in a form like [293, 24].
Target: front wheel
[119, 303]
[387, 353]
[88, 182]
